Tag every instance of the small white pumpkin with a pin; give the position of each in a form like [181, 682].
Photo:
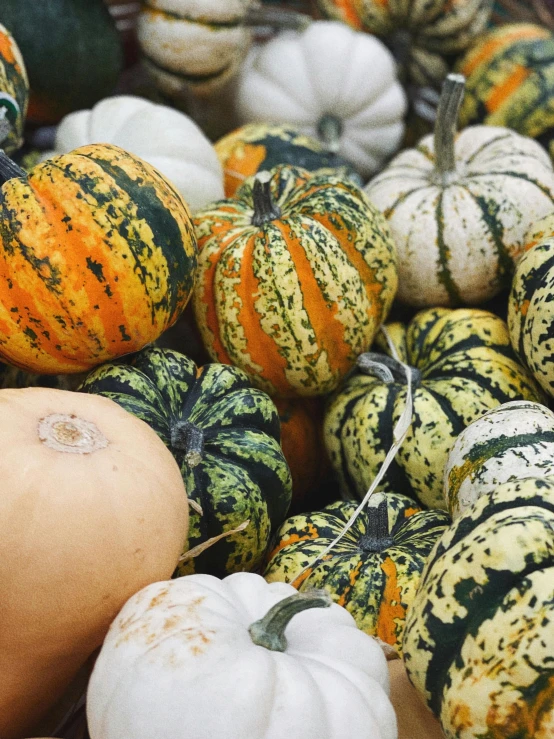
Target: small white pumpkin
[512, 442]
[235, 658]
[165, 138]
[459, 207]
[333, 83]
[195, 45]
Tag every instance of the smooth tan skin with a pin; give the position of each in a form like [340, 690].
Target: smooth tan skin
[79, 534]
[415, 720]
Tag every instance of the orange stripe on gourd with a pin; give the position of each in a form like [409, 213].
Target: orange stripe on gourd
[310, 532]
[390, 607]
[488, 50]
[7, 51]
[502, 93]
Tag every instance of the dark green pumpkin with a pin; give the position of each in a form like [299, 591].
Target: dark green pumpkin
[373, 571]
[224, 435]
[71, 49]
[479, 636]
[464, 366]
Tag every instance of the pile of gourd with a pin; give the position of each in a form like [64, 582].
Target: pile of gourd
[368, 350]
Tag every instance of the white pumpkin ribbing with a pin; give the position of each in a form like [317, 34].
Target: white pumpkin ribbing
[332, 73]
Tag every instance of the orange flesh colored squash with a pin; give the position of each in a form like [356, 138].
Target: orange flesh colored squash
[92, 509]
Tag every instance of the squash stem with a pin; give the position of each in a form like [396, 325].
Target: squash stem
[188, 438]
[329, 130]
[281, 18]
[8, 169]
[387, 369]
[265, 209]
[269, 631]
[446, 125]
[378, 537]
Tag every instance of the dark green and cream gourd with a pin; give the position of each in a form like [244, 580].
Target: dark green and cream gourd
[511, 442]
[459, 207]
[530, 306]
[14, 92]
[463, 366]
[373, 571]
[479, 636]
[225, 437]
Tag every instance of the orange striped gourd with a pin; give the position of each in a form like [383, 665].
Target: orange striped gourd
[97, 259]
[295, 276]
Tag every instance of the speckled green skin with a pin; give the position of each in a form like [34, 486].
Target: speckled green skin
[375, 579]
[467, 367]
[479, 639]
[243, 473]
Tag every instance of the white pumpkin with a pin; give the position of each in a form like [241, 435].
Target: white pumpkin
[165, 138]
[217, 659]
[195, 45]
[512, 442]
[459, 207]
[333, 83]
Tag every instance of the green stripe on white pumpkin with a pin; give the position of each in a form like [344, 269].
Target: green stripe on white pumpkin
[459, 208]
[511, 442]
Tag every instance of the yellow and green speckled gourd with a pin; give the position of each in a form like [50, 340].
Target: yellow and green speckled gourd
[530, 308]
[510, 81]
[14, 92]
[97, 259]
[373, 571]
[258, 146]
[420, 33]
[479, 635]
[224, 435]
[462, 366]
[295, 276]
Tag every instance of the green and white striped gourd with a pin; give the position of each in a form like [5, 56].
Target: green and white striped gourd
[530, 306]
[224, 435]
[462, 366]
[459, 207]
[511, 442]
[479, 635]
[373, 571]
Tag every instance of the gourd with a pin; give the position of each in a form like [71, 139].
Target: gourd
[511, 442]
[71, 49]
[373, 571]
[510, 81]
[165, 138]
[301, 422]
[14, 92]
[295, 276]
[333, 84]
[93, 508]
[420, 35]
[224, 435]
[461, 367]
[192, 44]
[260, 146]
[530, 313]
[249, 663]
[459, 207]
[480, 634]
[97, 259]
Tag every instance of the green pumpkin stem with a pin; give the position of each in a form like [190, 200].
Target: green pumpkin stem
[329, 130]
[269, 631]
[446, 126]
[387, 369]
[378, 537]
[188, 438]
[265, 209]
[9, 170]
[281, 18]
